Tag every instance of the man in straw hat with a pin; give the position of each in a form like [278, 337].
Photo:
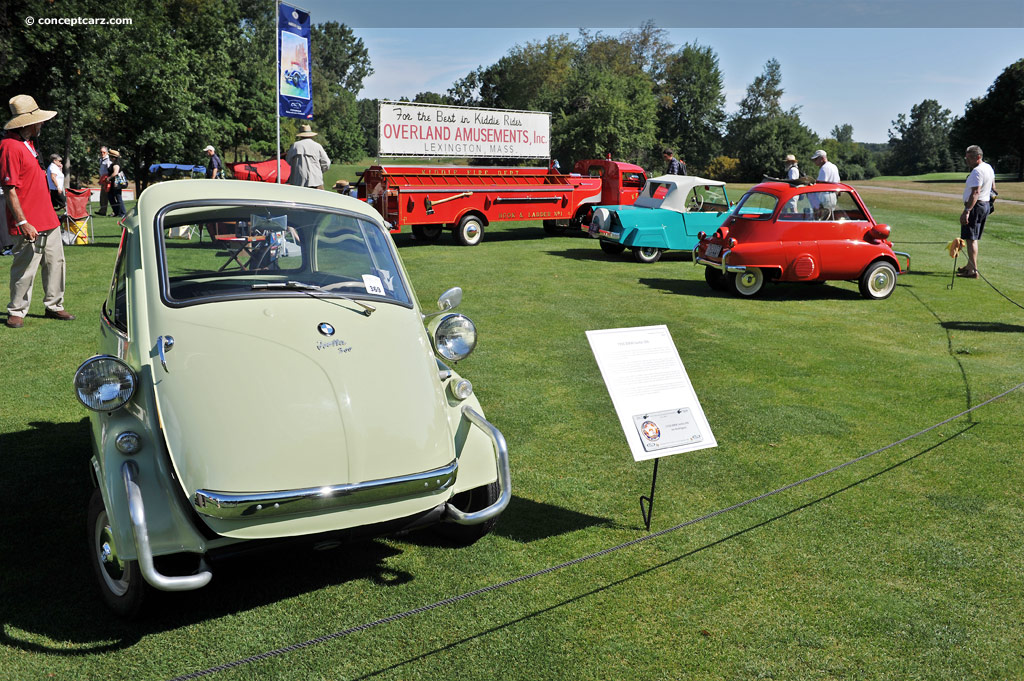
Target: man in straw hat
[31, 219]
[308, 160]
[792, 171]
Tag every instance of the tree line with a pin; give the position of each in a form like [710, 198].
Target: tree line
[187, 73]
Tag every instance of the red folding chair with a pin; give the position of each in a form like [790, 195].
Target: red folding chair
[77, 218]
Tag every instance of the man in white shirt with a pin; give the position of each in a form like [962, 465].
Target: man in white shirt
[977, 197]
[308, 160]
[826, 201]
[55, 181]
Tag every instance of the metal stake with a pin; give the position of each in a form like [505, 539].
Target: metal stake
[649, 510]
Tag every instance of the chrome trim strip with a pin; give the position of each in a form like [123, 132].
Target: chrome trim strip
[137, 513]
[254, 505]
[453, 514]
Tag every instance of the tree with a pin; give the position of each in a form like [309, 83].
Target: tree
[692, 104]
[340, 63]
[340, 55]
[995, 121]
[530, 77]
[842, 133]
[608, 108]
[920, 144]
[761, 133]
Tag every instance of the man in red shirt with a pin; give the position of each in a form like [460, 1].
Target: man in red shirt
[31, 220]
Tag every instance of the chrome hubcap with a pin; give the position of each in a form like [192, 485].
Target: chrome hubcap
[881, 281]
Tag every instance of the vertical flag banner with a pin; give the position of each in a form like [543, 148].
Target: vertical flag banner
[296, 90]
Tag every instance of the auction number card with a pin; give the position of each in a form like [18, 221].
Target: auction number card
[652, 395]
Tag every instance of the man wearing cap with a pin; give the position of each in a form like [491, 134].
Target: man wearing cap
[31, 219]
[828, 171]
[308, 160]
[215, 169]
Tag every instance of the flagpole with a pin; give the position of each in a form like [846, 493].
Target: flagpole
[277, 77]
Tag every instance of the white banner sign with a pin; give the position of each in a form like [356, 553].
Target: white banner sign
[407, 129]
[652, 395]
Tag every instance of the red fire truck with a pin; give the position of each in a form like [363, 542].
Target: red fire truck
[464, 200]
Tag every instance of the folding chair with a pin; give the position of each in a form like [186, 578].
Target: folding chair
[77, 218]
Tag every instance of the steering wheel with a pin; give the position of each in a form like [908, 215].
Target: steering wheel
[696, 202]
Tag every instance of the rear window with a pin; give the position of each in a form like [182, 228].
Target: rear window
[756, 206]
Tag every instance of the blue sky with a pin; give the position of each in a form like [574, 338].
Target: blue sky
[861, 62]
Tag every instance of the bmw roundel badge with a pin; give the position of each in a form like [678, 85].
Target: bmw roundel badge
[325, 328]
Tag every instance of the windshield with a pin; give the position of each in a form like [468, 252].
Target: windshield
[213, 251]
[756, 206]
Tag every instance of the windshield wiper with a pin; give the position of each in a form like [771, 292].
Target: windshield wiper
[302, 286]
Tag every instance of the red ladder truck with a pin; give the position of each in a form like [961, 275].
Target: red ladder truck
[464, 200]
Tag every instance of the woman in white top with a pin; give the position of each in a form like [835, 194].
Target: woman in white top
[55, 181]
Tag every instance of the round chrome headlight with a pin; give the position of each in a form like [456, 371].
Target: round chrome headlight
[454, 337]
[104, 383]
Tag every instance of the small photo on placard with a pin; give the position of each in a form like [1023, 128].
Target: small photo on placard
[669, 428]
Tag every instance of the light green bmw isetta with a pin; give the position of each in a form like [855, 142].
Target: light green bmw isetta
[266, 372]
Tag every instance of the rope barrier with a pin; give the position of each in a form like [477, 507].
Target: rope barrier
[576, 561]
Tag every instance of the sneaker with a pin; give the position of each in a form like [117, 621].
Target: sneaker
[14, 322]
[7, 251]
[62, 315]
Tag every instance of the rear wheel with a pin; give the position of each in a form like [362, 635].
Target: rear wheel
[469, 501]
[748, 283]
[612, 247]
[647, 255]
[121, 584]
[427, 233]
[470, 231]
[715, 278]
[878, 281]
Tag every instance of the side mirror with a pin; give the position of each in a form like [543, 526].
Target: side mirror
[447, 301]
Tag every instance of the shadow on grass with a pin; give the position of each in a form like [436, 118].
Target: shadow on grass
[642, 573]
[987, 327]
[771, 291]
[46, 583]
[513, 234]
[626, 257]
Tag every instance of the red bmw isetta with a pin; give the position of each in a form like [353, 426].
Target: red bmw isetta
[783, 231]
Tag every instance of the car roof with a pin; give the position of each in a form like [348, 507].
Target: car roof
[161, 194]
[786, 189]
[685, 182]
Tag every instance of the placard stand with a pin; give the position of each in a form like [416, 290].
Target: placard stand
[650, 500]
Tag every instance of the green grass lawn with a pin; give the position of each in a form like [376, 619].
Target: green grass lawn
[903, 566]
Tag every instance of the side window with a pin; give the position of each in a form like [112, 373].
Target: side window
[596, 171]
[115, 308]
[632, 180]
[847, 208]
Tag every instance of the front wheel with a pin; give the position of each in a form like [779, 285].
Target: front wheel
[612, 247]
[121, 584]
[748, 283]
[470, 231]
[427, 233]
[647, 255]
[469, 501]
[878, 281]
[715, 278]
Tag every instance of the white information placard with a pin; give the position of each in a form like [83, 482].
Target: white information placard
[651, 393]
[413, 129]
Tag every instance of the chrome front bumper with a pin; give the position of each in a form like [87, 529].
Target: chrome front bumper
[723, 266]
[235, 506]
